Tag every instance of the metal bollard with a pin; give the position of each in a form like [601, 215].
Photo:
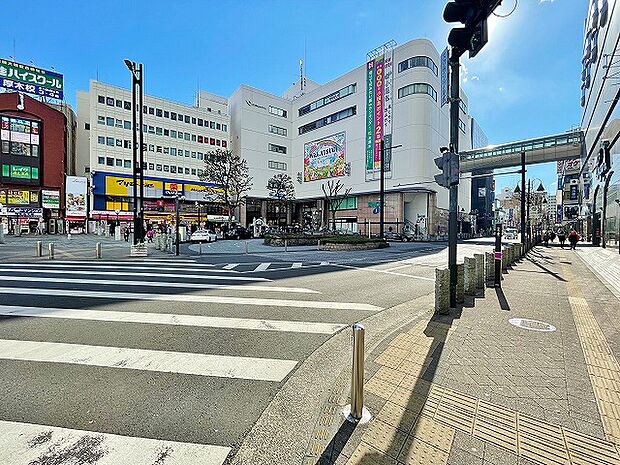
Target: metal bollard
[246, 247]
[1, 233]
[356, 413]
[460, 282]
[98, 250]
[285, 245]
[318, 245]
[50, 248]
[39, 248]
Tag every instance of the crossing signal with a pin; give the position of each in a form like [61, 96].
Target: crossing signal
[473, 15]
[160, 205]
[443, 163]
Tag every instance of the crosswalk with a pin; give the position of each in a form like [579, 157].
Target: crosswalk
[149, 361]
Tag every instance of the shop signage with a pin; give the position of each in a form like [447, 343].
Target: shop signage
[50, 199]
[25, 212]
[325, 158]
[388, 97]
[378, 135]
[119, 186]
[31, 80]
[20, 172]
[370, 113]
[252, 104]
[75, 196]
[15, 197]
[173, 189]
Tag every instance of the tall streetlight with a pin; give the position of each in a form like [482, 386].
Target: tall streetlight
[137, 93]
[198, 210]
[178, 199]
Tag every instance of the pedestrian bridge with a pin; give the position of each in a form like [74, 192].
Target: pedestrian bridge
[563, 146]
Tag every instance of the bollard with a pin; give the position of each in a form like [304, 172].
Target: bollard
[158, 242]
[200, 248]
[1, 233]
[318, 245]
[442, 291]
[479, 270]
[246, 247]
[39, 248]
[356, 413]
[50, 248]
[98, 250]
[504, 259]
[470, 276]
[285, 245]
[489, 262]
[460, 283]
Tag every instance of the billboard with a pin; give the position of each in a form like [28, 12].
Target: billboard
[50, 199]
[370, 114]
[75, 196]
[388, 106]
[325, 158]
[445, 76]
[31, 80]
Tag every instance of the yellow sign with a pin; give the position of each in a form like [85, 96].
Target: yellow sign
[18, 197]
[34, 197]
[115, 185]
[205, 189]
[170, 187]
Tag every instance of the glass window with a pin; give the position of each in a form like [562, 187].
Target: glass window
[224, 143]
[127, 105]
[200, 156]
[151, 130]
[193, 137]
[119, 142]
[166, 132]
[224, 127]
[100, 119]
[212, 141]
[151, 111]
[200, 121]
[173, 151]
[200, 139]
[186, 136]
[276, 165]
[187, 153]
[277, 130]
[186, 170]
[159, 112]
[193, 120]
[277, 111]
[119, 162]
[101, 140]
[166, 114]
[109, 161]
[277, 148]
[166, 168]
[145, 109]
[158, 167]
[173, 133]
[119, 103]
[194, 171]
[151, 147]
[109, 101]
[418, 88]
[159, 131]
[151, 166]
[110, 141]
[348, 90]
[418, 61]
[217, 142]
[346, 113]
[109, 121]
[127, 124]
[193, 154]
[127, 163]
[218, 126]
[101, 99]
[119, 123]
[166, 150]
[127, 144]
[159, 149]
[173, 169]
[173, 116]
[212, 124]
[186, 118]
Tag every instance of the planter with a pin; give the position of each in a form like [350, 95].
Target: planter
[338, 247]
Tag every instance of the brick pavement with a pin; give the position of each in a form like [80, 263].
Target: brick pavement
[472, 388]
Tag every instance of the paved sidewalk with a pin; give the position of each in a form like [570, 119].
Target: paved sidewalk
[472, 388]
[605, 263]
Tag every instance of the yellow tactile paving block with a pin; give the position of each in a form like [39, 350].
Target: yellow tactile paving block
[408, 399]
[434, 433]
[380, 388]
[389, 375]
[385, 438]
[418, 452]
[457, 410]
[397, 416]
[497, 425]
[368, 455]
[389, 361]
[586, 450]
[541, 441]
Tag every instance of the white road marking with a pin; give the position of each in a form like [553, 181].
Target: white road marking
[198, 286]
[375, 270]
[26, 443]
[296, 265]
[123, 266]
[174, 319]
[262, 267]
[130, 273]
[193, 298]
[133, 262]
[221, 366]
[230, 266]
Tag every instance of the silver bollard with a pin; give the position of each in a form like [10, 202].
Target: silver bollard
[318, 245]
[39, 249]
[98, 250]
[356, 413]
[285, 245]
[50, 248]
[246, 247]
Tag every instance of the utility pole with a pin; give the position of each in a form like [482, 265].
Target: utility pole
[523, 243]
[137, 101]
[141, 147]
[529, 201]
[454, 188]
[382, 193]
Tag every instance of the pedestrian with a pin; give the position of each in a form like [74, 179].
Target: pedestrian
[546, 238]
[149, 235]
[552, 236]
[561, 237]
[573, 238]
[126, 234]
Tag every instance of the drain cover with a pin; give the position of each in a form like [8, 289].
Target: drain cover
[532, 325]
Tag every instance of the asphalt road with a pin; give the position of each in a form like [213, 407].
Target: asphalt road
[175, 358]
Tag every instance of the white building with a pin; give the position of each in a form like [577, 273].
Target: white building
[176, 137]
[283, 135]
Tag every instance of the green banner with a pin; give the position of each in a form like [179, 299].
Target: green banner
[370, 114]
[25, 78]
[21, 172]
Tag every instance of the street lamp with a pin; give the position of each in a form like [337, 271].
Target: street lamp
[198, 210]
[178, 199]
[137, 80]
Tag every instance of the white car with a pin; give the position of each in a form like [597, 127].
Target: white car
[202, 235]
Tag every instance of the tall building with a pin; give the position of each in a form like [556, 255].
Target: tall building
[176, 137]
[601, 121]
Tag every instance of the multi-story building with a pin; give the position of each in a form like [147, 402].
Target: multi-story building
[317, 133]
[176, 137]
[601, 121]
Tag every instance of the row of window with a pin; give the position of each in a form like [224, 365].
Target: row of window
[277, 165]
[125, 104]
[277, 148]
[319, 123]
[19, 148]
[112, 142]
[277, 130]
[278, 111]
[121, 163]
[419, 61]
[158, 131]
[348, 90]
[417, 88]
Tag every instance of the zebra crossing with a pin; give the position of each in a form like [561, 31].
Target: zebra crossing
[268, 266]
[148, 361]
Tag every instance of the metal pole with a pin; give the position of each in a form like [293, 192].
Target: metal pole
[523, 199]
[50, 249]
[140, 232]
[368, 228]
[98, 250]
[498, 255]
[529, 200]
[246, 247]
[177, 224]
[357, 376]
[382, 193]
[135, 154]
[39, 248]
[454, 189]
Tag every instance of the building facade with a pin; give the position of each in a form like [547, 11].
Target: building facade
[33, 154]
[601, 122]
[319, 133]
[176, 137]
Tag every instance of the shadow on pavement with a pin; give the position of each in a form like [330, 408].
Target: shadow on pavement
[501, 297]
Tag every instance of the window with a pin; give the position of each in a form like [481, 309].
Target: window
[224, 127]
[151, 166]
[145, 110]
[109, 121]
[218, 126]
[109, 101]
[346, 113]
[119, 123]
[101, 140]
[119, 103]
[461, 125]
[152, 112]
[109, 141]
[212, 141]
[144, 128]
[166, 168]
[200, 157]
[127, 124]
[463, 106]
[194, 171]
[200, 121]
[186, 136]
[173, 169]
[119, 142]
[200, 139]
[159, 149]
[186, 170]
[127, 144]
[100, 119]
[419, 88]
[224, 143]
[127, 105]
[101, 160]
[277, 111]
[87, 126]
[173, 151]
[173, 134]
[193, 120]
[350, 89]
[173, 116]
[217, 142]
[158, 167]
[109, 161]
[277, 148]
[415, 62]
[159, 131]
[159, 112]
[349, 203]
[127, 163]
[193, 154]
[166, 132]
[119, 162]
[277, 165]
[277, 130]
[166, 150]
[100, 99]
[166, 114]
[186, 119]
[187, 153]
[151, 147]
[212, 124]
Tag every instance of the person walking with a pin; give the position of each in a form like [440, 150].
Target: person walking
[573, 238]
[149, 235]
[561, 237]
[546, 238]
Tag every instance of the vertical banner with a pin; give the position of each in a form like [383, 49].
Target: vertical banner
[75, 196]
[378, 135]
[444, 77]
[370, 115]
[388, 106]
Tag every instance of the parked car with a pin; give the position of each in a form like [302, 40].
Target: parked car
[238, 232]
[203, 235]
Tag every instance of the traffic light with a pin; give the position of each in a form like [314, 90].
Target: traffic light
[473, 15]
[160, 204]
[443, 163]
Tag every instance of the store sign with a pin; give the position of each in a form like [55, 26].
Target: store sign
[18, 197]
[50, 199]
[325, 158]
[25, 212]
[378, 133]
[119, 186]
[31, 80]
[20, 172]
[482, 192]
[173, 188]
[75, 196]
[388, 108]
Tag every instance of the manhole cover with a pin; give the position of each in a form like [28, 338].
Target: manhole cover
[532, 325]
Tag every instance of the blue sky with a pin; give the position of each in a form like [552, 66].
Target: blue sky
[525, 83]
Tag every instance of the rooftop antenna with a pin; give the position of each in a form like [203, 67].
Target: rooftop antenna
[301, 74]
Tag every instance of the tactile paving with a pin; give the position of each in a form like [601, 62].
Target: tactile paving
[418, 452]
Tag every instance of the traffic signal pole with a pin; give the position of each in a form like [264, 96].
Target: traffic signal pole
[454, 188]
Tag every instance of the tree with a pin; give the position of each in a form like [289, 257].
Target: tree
[334, 197]
[230, 171]
[282, 190]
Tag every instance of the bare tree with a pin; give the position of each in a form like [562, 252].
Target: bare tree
[230, 171]
[334, 197]
[282, 190]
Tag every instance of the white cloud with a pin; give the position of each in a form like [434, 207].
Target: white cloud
[546, 1]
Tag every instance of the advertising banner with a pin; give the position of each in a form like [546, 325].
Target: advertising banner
[120, 186]
[388, 107]
[50, 199]
[445, 76]
[20, 172]
[378, 134]
[18, 197]
[325, 158]
[75, 196]
[172, 189]
[25, 212]
[370, 114]
[201, 192]
[31, 80]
